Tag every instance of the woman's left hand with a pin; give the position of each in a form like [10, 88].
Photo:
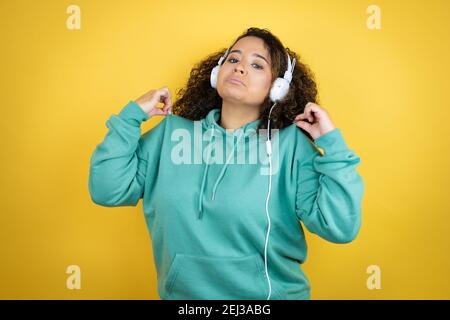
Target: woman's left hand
[319, 120]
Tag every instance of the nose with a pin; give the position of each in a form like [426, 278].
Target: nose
[239, 68]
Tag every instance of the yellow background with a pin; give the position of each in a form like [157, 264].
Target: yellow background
[386, 89]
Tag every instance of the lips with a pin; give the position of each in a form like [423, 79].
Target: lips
[235, 80]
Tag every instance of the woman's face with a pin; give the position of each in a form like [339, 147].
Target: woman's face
[249, 61]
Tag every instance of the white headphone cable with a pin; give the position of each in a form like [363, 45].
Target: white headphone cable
[269, 154]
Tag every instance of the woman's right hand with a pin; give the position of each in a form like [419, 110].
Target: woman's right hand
[149, 101]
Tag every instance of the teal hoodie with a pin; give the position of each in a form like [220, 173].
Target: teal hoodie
[206, 213]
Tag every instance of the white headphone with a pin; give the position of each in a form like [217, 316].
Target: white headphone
[278, 92]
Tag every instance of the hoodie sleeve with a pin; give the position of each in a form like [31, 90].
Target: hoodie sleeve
[118, 165]
[329, 190]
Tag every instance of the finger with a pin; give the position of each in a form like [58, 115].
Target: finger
[317, 111]
[161, 98]
[304, 117]
[165, 99]
[310, 104]
[158, 112]
[167, 104]
[304, 125]
[163, 111]
[166, 91]
[162, 94]
[308, 114]
[167, 110]
[167, 107]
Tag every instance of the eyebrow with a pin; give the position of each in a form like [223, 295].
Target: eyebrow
[255, 54]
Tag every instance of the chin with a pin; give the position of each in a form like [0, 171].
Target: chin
[232, 97]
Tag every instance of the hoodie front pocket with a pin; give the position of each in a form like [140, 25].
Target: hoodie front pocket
[216, 278]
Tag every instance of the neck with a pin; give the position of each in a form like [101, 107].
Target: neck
[234, 116]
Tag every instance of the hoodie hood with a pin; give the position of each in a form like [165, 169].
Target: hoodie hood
[211, 123]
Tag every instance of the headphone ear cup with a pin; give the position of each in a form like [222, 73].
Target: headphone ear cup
[214, 75]
[279, 89]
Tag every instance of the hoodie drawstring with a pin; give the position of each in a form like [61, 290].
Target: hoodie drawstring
[219, 178]
[211, 121]
[222, 172]
[200, 202]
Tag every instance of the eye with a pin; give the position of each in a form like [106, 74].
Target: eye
[258, 66]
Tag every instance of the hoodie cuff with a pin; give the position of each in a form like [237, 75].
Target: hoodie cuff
[332, 141]
[133, 112]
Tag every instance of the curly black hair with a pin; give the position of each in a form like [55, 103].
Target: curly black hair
[198, 97]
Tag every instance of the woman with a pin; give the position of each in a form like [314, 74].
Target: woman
[226, 230]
